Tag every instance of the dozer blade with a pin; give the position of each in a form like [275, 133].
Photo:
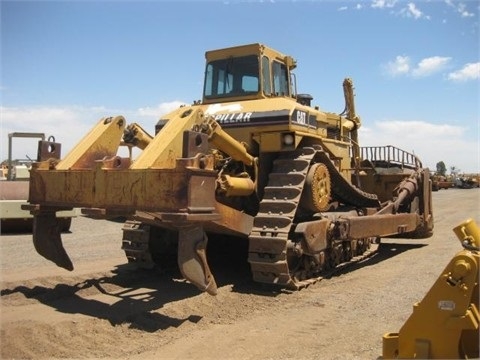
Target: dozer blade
[48, 241]
[192, 258]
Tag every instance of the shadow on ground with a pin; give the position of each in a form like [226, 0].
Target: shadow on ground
[130, 295]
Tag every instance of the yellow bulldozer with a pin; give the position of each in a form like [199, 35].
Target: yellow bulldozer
[253, 160]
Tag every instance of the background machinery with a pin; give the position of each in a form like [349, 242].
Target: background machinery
[445, 324]
[252, 160]
[442, 182]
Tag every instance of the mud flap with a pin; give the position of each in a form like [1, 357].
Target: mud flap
[48, 241]
[192, 258]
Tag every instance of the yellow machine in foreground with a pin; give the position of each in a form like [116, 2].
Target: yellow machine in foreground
[254, 160]
[445, 324]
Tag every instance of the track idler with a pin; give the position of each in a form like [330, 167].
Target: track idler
[47, 239]
[192, 257]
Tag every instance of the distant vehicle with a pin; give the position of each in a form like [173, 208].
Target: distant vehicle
[442, 182]
[469, 181]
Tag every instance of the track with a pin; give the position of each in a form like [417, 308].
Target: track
[268, 239]
[135, 243]
[270, 253]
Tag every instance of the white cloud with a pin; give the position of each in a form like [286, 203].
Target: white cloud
[67, 124]
[400, 66]
[412, 11]
[381, 4]
[358, 6]
[430, 66]
[395, 127]
[445, 142]
[470, 71]
[160, 109]
[460, 8]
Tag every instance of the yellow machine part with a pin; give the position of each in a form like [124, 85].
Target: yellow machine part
[102, 141]
[445, 324]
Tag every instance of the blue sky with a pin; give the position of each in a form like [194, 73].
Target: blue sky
[415, 65]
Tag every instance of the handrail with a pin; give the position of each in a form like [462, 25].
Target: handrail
[391, 155]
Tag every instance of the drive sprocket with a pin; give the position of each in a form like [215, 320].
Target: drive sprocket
[317, 191]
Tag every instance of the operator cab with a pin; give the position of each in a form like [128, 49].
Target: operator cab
[247, 72]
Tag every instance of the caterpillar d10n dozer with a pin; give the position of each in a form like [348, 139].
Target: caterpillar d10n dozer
[253, 160]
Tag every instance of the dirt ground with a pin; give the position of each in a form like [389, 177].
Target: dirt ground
[107, 309]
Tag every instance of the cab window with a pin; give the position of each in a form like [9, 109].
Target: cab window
[280, 79]
[267, 87]
[234, 76]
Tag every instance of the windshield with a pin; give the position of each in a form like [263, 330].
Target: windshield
[234, 76]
